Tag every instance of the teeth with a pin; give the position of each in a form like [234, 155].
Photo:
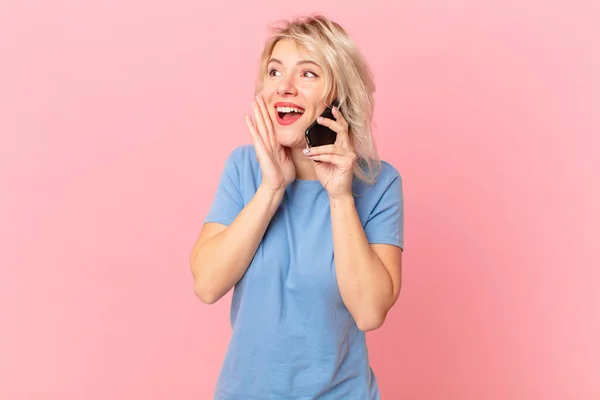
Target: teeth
[289, 109]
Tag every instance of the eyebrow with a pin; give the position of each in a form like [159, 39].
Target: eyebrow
[298, 63]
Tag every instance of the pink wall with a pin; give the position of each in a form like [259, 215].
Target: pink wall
[115, 120]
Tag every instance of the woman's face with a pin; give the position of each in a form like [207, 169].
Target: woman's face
[292, 90]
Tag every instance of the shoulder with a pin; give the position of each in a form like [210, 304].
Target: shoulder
[380, 206]
[387, 176]
[241, 159]
[242, 169]
[388, 173]
[242, 154]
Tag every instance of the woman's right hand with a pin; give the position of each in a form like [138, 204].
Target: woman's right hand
[276, 164]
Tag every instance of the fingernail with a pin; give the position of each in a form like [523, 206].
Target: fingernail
[306, 151]
[320, 119]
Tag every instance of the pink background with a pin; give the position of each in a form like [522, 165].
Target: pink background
[116, 118]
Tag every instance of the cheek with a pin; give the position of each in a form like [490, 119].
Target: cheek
[269, 87]
[267, 96]
[266, 90]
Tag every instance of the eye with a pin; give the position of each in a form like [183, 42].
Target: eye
[273, 72]
[309, 74]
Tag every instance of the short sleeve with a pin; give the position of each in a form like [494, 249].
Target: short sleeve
[385, 224]
[228, 200]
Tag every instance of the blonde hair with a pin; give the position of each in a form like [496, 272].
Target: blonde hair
[347, 77]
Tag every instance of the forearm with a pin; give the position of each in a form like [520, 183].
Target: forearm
[222, 260]
[365, 285]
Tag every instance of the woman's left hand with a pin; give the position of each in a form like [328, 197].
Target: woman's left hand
[335, 162]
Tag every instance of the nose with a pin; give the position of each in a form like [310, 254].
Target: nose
[287, 86]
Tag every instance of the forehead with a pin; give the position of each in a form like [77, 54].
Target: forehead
[289, 51]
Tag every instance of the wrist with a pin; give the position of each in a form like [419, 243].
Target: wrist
[341, 200]
[270, 192]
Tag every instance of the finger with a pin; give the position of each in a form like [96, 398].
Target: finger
[331, 124]
[260, 124]
[344, 136]
[343, 162]
[259, 145]
[267, 121]
[252, 129]
[325, 149]
[339, 117]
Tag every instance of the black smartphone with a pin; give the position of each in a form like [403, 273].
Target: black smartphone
[320, 135]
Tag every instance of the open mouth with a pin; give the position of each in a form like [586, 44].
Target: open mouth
[288, 115]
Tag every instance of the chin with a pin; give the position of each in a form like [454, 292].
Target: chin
[290, 133]
[288, 137]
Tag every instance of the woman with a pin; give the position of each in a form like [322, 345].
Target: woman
[311, 238]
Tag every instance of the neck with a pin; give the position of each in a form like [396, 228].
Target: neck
[305, 169]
